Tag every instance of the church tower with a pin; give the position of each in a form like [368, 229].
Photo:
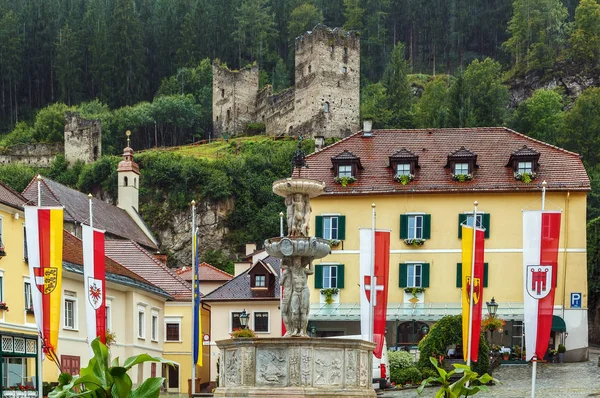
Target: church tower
[128, 177]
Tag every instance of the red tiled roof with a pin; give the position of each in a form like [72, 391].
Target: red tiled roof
[73, 253]
[115, 221]
[561, 169]
[138, 260]
[10, 197]
[207, 273]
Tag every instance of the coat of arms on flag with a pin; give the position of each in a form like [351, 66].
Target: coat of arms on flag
[539, 281]
[95, 293]
[46, 279]
[476, 290]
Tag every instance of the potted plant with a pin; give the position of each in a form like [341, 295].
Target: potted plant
[344, 181]
[561, 353]
[525, 176]
[240, 333]
[553, 354]
[404, 178]
[3, 306]
[517, 351]
[328, 293]
[506, 355]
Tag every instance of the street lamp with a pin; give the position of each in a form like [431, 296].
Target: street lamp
[492, 307]
[244, 319]
[425, 329]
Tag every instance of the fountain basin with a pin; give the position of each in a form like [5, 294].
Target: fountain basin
[301, 367]
[304, 186]
[297, 246]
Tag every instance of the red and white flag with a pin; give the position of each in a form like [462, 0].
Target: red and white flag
[541, 233]
[382, 270]
[95, 283]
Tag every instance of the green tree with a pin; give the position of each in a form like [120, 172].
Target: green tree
[460, 109]
[487, 94]
[538, 31]
[304, 17]
[582, 127]
[11, 52]
[353, 12]
[49, 123]
[255, 31]
[585, 39]
[541, 116]
[281, 78]
[68, 71]
[217, 258]
[432, 108]
[398, 92]
[373, 105]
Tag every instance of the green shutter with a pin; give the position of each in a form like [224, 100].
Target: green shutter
[340, 276]
[403, 275]
[485, 274]
[458, 274]
[341, 227]
[403, 226]
[425, 275]
[462, 218]
[319, 226]
[318, 276]
[486, 224]
[427, 226]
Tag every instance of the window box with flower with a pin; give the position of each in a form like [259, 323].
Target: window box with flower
[525, 176]
[3, 306]
[414, 241]
[462, 177]
[9, 392]
[404, 178]
[328, 293]
[29, 310]
[344, 181]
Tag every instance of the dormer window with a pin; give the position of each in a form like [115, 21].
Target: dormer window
[524, 162]
[462, 164]
[260, 281]
[345, 167]
[404, 163]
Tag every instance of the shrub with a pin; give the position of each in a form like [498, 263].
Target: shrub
[410, 375]
[400, 360]
[255, 129]
[562, 349]
[428, 372]
[242, 332]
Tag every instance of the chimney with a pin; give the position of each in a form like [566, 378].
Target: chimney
[250, 248]
[319, 143]
[367, 128]
[161, 257]
[242, 267]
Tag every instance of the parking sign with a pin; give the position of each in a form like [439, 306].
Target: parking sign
[575, 300]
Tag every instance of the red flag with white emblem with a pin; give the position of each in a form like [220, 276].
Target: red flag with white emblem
[95, 283]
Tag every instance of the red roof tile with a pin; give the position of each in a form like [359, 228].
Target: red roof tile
[207, 273]
[140, 261]
[561, 169]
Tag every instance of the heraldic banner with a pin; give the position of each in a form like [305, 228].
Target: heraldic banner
[477, 281]
[198, 336]
[541, 233]
[44, 227]
[95, 283]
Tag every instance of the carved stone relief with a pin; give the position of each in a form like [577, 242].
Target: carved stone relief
[233, 368]
[306, 368]
[271, 367]
[222, 368]
[364, 369]
[351, 368]
[328, 367]
[294, 367]
[249, 366]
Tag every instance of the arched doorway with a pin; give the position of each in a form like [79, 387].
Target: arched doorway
[410, 333]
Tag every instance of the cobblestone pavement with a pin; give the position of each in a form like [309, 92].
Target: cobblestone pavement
[553, 380]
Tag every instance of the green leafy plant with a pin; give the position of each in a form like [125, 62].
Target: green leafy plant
[334, 242]
[400, 360]
[449, 389]
[414, 290]
[561, 349]
[410, 375]
[101, 379]
[344, 181]
[328, 293]
[462, 177]
[404, 178]
[239, 333]
[492, 323]
[414, 241]
[525, 176]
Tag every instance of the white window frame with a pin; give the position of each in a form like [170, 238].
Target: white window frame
[237, 312]
[402, 169]
[109, 313]
[462, 167]
[328, 230]
[525, 167]
[72, 298]
[327, 279]
[345, 170]
[154, 326]
[141, 323]
[479, 221]
[172, 320]
[263, 279]
[30, 298]
[268, 321]
[413, 233]
[412, 281]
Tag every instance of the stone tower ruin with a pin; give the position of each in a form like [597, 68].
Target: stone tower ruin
[83, 138]
[323, 102]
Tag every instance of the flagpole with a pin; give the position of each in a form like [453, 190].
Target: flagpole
[193, 383]
[470, 333]
[373, 282]
[534, 358]
[38, 357]
[91, 213]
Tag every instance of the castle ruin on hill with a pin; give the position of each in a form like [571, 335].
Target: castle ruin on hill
[325, 100]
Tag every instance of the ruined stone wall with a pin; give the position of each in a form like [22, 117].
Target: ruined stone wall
[276, 110]
[83, 138]
[38, 155]
[234, 98]
[327, 99]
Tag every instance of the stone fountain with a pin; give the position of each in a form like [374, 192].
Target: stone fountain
[296, 365]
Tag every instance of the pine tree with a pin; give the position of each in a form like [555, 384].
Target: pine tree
[398, 92]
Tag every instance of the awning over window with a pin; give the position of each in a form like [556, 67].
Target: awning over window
[558, 324]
